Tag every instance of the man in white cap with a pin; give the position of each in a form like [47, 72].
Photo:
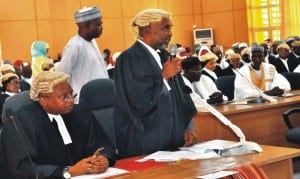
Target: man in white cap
[152, 110]
[81, 58]
[258, 77]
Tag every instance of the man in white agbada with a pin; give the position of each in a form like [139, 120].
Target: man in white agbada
[81, 58]
[258, 77]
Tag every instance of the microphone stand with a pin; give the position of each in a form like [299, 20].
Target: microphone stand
[237, 131]
[11, 117]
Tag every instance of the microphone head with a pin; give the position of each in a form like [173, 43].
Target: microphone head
[259, 99]
[9, 114]
[172, 51]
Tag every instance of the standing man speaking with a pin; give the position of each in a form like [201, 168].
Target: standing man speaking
[81, 58]
[153, 112]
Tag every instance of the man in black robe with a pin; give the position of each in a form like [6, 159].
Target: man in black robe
[51, 137]
[153, 112]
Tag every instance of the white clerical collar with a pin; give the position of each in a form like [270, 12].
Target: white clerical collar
[157, 59]
[61, 128]
[9, 93]
[212, 73]
[284, 61]
[153, 53]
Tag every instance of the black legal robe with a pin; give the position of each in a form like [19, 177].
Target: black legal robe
[148, 116]
[3, 97]
[45, 145]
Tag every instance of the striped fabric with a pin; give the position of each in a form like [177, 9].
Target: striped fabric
[250, 171]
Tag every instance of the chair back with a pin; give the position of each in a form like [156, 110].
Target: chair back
[226, 85]
[290, 118]
[99, 96]
[14, 103]
[293, 78]
[11, 106]
[4, 172]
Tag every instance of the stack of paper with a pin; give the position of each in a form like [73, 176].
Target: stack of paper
[168, 156]
[225, 147]
[209, 149]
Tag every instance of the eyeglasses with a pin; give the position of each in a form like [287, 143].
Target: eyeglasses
[68, 97]
[195, 71]
[64, 97]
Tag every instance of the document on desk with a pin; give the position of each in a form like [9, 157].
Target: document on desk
[218, 174]
[108, 173]
[204, 150]
[212, 146]
[172, 156]
[225, 147]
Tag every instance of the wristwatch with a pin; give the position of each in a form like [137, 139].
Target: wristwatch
[66, 173]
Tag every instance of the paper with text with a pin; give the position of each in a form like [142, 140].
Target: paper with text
[108, 173]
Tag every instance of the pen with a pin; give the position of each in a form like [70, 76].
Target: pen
[98, 151]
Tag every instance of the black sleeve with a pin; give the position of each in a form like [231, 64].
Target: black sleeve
[110, 155]
[58, 172]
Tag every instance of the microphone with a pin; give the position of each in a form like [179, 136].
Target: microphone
[238, 132]
[262, 98]
[11, 117]
[244, 145]
[172, 50]
[172, 53]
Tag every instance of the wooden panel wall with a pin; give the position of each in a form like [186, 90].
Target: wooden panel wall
[22, 22]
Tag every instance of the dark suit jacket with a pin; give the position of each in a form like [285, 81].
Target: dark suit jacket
[294, 59]
[3, 97]
[148, 117]
[24, 85]
[228, 71]
[280, 66]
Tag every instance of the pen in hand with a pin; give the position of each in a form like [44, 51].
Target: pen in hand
[98, 151]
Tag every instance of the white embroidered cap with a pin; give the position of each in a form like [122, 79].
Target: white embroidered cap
[87, 14]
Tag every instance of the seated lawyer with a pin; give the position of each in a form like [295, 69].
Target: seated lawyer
[257, 77]
[60, 136]
[206, 87]
[10, 86]
[191, 73]
[234, 65]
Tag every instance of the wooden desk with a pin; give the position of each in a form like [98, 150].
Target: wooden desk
[275, 161]
[261, 123]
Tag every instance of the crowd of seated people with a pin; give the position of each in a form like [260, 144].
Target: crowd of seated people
[280, 57]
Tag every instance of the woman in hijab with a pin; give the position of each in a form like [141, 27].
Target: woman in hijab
[39, 50]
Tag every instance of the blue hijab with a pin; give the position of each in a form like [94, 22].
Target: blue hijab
[39, 48]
